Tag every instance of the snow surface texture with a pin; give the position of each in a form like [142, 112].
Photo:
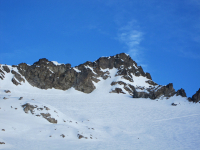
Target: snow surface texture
[106, 120]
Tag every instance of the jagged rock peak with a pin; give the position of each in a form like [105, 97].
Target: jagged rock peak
[181, 92]
[196, 97]
[120, 61]
[116, 61]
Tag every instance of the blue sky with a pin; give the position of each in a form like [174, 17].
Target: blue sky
[161, 36]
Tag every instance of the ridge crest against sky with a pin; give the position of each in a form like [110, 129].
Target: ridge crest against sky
[161, 36]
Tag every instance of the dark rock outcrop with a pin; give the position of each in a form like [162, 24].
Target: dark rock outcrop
[2, 74]
[20, 98]
[15, 81]
[167, 91]
[62, 135]
[140, 95]
[151, 82]
[181, 92]
[173, 104]
[47, 116]
[80, 136]
[6, 68]
[7, 91]
[117, 90]
[17, 76]
[28, 107]
[196, 97]
[154, 93]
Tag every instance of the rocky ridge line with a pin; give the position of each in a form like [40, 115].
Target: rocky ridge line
[45, 74]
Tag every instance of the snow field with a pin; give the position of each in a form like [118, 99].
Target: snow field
[114, 121]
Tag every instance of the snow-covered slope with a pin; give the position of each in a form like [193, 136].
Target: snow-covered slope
[99, 120]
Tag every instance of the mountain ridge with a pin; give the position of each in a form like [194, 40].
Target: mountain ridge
[45, 74]
[116, 114]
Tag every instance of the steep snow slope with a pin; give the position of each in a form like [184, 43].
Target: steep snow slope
[108, 120]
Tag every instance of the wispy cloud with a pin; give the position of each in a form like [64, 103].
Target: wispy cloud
[131, 36]
[189, 54]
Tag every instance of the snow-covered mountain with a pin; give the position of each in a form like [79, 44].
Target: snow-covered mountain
[110, 103]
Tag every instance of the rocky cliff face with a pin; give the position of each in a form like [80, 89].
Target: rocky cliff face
[128, 78]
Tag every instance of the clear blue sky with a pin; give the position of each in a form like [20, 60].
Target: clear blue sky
[163, 36]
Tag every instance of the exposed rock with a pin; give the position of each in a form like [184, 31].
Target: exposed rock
[2, 142]
[140, 94]
[181, 92]
[196, 97]
[7, 91]
[28, 107]
[15, 82]
[119, 82]
[47, 116]
[80, 136]
[166, 91]
[2, 72]
[173, 104]
[5, 68]
[20, 98]
[46, 108]
[17, 76]
[117, 90]
[151, 82]
[62, 135]
[148, 76]
[2, 77]
[5, 98]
